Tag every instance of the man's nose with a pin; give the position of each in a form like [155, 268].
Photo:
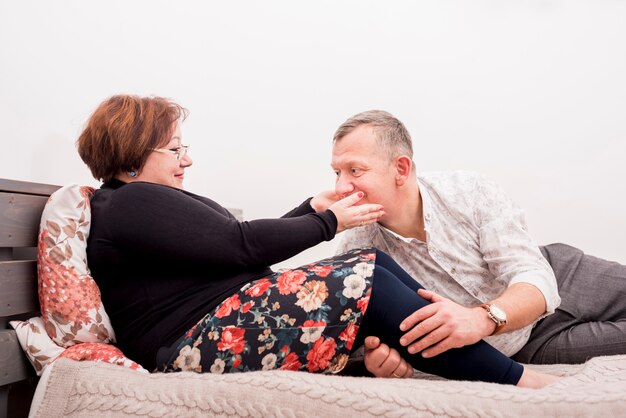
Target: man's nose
[343, 188]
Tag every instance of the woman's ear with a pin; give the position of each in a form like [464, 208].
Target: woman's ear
[404, 166]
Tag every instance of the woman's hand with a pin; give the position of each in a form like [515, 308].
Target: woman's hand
[383, 361]
[350, 215]
[322, 201]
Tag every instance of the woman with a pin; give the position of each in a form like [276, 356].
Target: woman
[188, 287]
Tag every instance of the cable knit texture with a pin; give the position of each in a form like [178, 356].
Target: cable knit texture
[89, 389]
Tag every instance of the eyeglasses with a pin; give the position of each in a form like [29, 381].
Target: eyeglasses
[179, 152]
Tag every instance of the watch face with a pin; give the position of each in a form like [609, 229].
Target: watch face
[498, 313]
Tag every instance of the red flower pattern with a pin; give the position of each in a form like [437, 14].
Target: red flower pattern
[63, 292]
[259, 288]
[190, 332]
[99, 352]
[320, 354]
[322, 271]
[232, 339]
[310, 323]
[290, 281]
[368, 256]
[247, 306]
[349, 334]
[230, 304]
[363, 302]
[291, 362]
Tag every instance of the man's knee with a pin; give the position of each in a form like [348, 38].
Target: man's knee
[559, 250]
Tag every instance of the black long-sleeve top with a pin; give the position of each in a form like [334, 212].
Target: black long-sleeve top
[164, 257]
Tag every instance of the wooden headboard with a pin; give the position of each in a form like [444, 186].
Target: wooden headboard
[21, 204]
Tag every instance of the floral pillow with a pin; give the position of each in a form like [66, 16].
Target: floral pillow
[42, 351]
[105, 353]
[70, 302]
[37, 345]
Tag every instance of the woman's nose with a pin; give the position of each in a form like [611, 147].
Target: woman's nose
[186, 161]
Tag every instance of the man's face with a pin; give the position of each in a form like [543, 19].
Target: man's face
[362, 165]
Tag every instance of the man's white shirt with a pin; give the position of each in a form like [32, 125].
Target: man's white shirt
[477, 245]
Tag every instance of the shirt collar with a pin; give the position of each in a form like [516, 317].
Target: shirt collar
[427, 207]
[400, 237]
[426, 210]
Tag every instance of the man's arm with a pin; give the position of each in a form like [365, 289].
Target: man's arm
[513, 259]
[523, 304]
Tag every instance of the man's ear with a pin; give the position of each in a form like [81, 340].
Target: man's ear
[404, 164]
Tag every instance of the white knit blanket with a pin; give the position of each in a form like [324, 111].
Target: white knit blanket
[89, 389]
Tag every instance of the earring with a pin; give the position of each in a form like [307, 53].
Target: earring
[132, 173]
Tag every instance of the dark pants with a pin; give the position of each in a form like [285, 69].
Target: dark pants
[591, 320]
[393, 298]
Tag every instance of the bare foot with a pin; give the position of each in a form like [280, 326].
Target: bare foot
[535, 380]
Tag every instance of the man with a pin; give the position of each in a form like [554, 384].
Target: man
[466, 242]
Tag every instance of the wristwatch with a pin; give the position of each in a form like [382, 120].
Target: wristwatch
[496, 314]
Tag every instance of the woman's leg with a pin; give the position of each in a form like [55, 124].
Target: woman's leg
[384, 260]
[394, 298]
[302, 319]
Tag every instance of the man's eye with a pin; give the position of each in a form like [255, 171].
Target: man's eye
[355, 171]
[175, 149]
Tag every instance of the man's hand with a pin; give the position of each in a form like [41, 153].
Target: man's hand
[443, 325]
[383, 361]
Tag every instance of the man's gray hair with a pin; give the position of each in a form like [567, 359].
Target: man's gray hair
[392, 135]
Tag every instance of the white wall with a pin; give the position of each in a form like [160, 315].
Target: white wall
[529, 93]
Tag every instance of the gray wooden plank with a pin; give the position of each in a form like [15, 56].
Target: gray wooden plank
[24, 253]
[6, 254]
[18, 281]
[4, 401]
[19, 219]
[27, 187]
[14, 366]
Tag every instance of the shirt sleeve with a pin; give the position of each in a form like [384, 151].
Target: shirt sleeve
[346, 243]
[158, 221]
[507, 247]
[360, 237]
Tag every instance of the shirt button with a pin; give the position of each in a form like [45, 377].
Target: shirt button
[452, 270]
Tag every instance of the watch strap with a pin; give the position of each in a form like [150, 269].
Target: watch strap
[499, 322]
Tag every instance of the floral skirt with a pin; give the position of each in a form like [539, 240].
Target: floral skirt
[303, 319]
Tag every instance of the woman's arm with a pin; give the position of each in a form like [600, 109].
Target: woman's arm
[319, 203]
[304, 209]
[162, 222]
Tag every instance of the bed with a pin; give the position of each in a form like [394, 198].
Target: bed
[91, 388]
